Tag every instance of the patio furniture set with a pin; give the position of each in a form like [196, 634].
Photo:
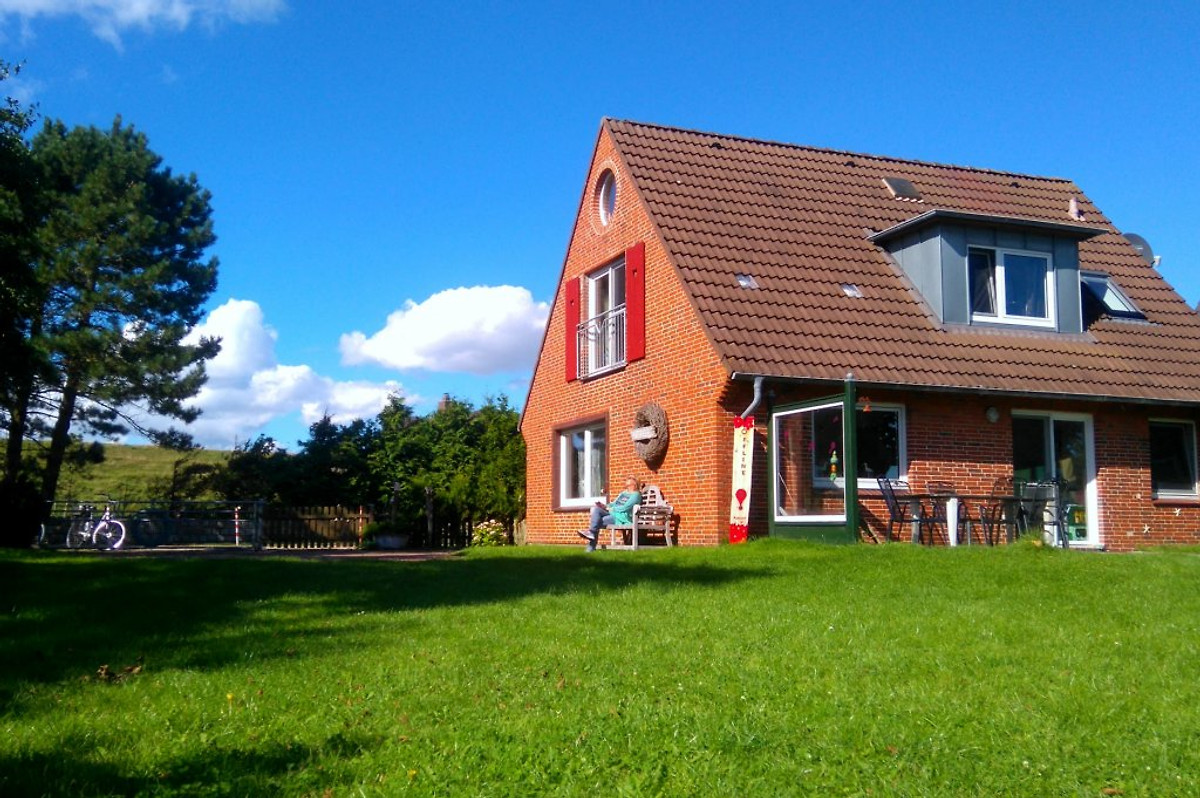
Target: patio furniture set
[942, 514]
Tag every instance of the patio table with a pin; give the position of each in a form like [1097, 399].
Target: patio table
[954, 505]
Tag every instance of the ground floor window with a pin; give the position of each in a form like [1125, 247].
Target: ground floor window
[810, 457]
[582, 455]
[1173, 458]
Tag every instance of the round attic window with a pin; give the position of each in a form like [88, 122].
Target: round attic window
[606, 196]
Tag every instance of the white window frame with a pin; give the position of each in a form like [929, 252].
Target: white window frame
[593, 484]
[1188, 428]
[602, 334]
[780, 516]
[606, 197]
[1001, 316]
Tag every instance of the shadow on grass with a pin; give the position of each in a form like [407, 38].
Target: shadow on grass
[216, 770]
[64, 616]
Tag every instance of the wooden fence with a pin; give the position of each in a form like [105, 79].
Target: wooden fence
[314, 527]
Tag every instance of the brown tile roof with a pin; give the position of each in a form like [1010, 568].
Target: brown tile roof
[797, 219]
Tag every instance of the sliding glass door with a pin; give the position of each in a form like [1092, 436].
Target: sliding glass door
[1059, 446]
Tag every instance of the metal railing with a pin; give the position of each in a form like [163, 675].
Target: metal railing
[180, 523]
[600, 342]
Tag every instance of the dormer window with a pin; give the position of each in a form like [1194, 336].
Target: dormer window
[984, 270]
[1010, 287]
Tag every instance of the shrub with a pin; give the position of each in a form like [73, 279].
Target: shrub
[489, 533]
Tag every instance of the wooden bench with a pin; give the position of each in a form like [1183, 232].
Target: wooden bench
[653, 516]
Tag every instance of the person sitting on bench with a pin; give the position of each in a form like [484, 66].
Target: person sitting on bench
[617, 512]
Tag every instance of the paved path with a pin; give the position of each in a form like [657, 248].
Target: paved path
[307, 554]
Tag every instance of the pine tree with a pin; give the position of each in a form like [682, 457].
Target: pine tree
[124, 277]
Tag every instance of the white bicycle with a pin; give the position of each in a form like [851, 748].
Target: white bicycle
[86, 530]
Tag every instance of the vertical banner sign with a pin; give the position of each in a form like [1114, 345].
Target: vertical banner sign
[743, 462]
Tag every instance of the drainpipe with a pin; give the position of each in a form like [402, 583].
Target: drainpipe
[758, 384]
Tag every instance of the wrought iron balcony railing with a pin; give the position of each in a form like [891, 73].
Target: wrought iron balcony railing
[600, 343]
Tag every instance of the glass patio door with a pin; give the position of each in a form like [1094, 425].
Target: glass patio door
[1059, 447]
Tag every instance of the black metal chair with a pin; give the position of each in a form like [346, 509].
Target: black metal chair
[991, 522]
[1036, 498]
[1005, 494]
[935, 511]
[898, 514]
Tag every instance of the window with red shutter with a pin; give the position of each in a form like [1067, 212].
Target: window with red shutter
[611, 304]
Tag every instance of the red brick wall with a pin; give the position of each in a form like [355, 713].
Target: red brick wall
[950, 440]
[680, 372]
[1131, 518]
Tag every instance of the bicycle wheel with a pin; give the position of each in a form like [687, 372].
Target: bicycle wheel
[78, 535]
[43, 537]
[109, 534]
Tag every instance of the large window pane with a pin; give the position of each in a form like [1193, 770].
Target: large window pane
[599, 456]
[577, 465]
[810, 457]
[1025, 285]
[808, 441]
[1173, 458]
[1031, 455]
[879, 443]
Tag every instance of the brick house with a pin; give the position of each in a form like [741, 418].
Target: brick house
[995, 325]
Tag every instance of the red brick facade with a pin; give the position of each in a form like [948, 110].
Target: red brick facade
[680, 372]
[949, 436]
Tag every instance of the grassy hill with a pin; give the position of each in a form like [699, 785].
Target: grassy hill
[133, 473]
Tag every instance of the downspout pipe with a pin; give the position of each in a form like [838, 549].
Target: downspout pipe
[758, 384]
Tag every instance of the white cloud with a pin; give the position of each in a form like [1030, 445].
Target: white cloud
[479, 330]
[247, 387]
[109, 18]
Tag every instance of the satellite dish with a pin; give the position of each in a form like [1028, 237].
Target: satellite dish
[1142, 246]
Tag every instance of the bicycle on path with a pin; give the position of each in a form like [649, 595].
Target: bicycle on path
[86, 530]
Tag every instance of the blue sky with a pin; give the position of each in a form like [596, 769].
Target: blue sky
[394, 183]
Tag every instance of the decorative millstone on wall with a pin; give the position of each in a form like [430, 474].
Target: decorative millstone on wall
[650, 433]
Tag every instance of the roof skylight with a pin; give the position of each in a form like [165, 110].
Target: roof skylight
[1110, 299]
[746, 281]
[902, 189]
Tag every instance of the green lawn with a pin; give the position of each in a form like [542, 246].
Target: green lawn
[773, 668]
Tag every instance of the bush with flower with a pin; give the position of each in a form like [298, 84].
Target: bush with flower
[489, 533]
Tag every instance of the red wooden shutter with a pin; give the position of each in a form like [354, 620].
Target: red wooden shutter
[635, 302]
[571, 353]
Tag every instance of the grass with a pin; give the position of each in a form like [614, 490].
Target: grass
[131, 473]
[773, 668]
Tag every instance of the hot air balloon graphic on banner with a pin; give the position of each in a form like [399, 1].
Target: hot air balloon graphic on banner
[743, 466]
